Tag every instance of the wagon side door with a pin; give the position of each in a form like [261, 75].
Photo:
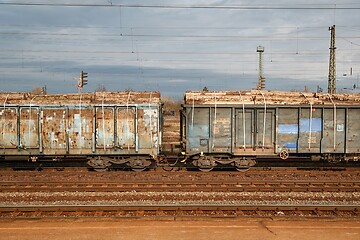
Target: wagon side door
[29, 128]
[148, 130]
[334, 131]
[288, 129]
[8, 126]
[198, 129]
[353, 131]
[81, 130]
[310, 126]
[265, 125]
[53, 130]
[244, 129]
[125, 129]
[221, 130]
[105, 128]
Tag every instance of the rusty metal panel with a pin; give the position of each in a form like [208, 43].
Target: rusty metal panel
[80, 129]
[221, 130]
[198, 129]
[353, 131]
[53, 131]
[148, 135]
[310, 130]
[288, 129]
[104, 123]
[29, 127]
[125, 125]
[334, 131]
[244, 129]
[105, 127]
[8, 126]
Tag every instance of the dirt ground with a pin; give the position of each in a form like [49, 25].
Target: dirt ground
[169, 228]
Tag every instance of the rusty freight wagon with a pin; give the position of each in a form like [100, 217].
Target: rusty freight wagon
[103, 128]
[238, 128]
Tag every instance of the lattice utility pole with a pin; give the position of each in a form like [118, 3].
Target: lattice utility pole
[261, 79]
[332, 63]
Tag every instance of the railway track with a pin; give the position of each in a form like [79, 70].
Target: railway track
[183, 186]
[280, 193]
[69, 174]
[175, 210]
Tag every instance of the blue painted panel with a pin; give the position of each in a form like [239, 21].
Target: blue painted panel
[288, 128]
[196, 133]
[316, 125]
[198, 129]
[291, 145]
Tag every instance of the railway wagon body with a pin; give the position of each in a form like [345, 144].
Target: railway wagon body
[103, 127]
[237, 128]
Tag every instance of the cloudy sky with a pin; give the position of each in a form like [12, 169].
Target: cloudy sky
[174, 46]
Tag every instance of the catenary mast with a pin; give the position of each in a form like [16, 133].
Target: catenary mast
[332, 63]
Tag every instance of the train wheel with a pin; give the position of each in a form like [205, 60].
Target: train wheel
[284, 154]
[206, 169]
[99, 164]
[168, 169]
[139, 164]
[205, 163]
[100, 169]
[244, 164]
[242, 169]
[138, 169]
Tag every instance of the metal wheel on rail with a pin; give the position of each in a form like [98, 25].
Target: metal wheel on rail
[243, 164]
[168, 169]
[138, 169]
[242, 169]
[205, 163]
[205, 169]
[139, 163]
[99, 164]
[100, 169]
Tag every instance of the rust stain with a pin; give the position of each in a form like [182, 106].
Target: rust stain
[104, 123]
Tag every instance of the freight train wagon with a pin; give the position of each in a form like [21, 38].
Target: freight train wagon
[238, 128]
[103, 128]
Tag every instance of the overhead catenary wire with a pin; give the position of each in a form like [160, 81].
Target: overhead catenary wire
[349, 6]
[279, 37]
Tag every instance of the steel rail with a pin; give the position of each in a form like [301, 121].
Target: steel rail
[172, 186]
[176, 210]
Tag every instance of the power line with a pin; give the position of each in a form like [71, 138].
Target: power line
[175, 27]
[345, 39]
[180, 6]
[169, 35]
[158, 52]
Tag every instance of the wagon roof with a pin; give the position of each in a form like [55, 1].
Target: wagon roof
[257, 97]
[86, 98]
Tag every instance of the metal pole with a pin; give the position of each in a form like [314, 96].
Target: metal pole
[261, 79]
[332, 63]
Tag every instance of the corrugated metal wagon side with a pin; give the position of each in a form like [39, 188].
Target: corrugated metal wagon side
[237, 128]
[104, 128]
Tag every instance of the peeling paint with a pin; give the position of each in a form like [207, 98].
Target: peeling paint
[95, 127]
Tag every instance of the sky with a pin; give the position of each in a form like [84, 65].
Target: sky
[177, 46]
